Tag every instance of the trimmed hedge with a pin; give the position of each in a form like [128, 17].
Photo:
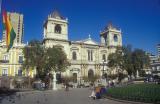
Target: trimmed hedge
[5, 91]
[149, 93]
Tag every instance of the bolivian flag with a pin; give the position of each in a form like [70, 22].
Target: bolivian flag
[10, 34]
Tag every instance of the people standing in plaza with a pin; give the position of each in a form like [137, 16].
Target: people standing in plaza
[93, 94]
[66, 86]
[97, 92]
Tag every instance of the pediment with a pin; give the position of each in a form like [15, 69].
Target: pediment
[90, 41]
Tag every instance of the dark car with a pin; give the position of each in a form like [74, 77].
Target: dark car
[149, 79]
[157, 79]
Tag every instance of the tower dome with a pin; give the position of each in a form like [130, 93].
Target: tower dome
[56, 14]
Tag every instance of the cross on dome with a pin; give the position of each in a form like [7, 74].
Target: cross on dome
[89, 36]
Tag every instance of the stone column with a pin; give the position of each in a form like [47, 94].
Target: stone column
[54, 81]
[137, 74]
[11, 84]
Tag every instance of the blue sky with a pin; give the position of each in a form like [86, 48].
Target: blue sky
[139, 20]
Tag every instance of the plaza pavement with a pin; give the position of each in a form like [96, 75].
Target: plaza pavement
[74, 96]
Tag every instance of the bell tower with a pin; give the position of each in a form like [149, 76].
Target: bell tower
[111, 37]
[55, 27]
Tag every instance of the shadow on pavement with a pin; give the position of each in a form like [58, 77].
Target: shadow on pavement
[7, 94]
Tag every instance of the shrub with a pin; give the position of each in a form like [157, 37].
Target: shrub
[137, 92]
[113, 76]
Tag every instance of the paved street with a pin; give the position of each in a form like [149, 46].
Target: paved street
[74, 96]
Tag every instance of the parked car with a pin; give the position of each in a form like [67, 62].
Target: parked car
[157, 81]
[149, 79]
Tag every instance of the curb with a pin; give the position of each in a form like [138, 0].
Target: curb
[126, 101]
[36, 91]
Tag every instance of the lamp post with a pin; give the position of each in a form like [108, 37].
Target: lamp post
[103, 70]
[79, 76]
[103, 73]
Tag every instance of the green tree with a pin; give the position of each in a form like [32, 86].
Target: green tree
[140, 60]
[127, 60]
[34, 57]
[44, 59]
[131, 61]
[115, 60]
[56, 59]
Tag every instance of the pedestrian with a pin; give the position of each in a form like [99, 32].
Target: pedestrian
[67, 86]
[93, 94]
[97, 92]
[43, 85]
[109, 83]
[112, 84]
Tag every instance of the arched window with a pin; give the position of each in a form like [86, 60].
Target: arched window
[104, 57]
[74, 56]
[90, 74]
[115, 37]
[57, 29]
[105, 38]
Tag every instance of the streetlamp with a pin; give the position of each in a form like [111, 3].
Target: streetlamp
[103, 69]
[79, 76]
[104, 75]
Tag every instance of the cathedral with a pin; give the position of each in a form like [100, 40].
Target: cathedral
[87, 57]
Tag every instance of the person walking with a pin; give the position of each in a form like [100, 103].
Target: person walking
[93, 94]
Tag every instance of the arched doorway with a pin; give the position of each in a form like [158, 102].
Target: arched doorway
[58, 77]
[105, 75]
[75, 77]
[90, 74]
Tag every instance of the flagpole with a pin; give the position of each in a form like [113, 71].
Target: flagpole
[0, 6]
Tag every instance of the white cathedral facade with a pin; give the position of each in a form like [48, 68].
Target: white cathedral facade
[87, 57]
